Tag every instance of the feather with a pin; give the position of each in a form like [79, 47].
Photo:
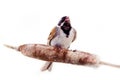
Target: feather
[75, 35]
[52, 34]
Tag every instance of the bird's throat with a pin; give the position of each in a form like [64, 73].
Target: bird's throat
[66, 31]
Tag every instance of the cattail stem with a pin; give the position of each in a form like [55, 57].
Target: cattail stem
[109, 64]
[53, 54]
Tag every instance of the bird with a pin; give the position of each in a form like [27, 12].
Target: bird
[61, 36]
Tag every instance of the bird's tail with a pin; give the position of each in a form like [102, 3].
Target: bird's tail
[12, 47]
[47, 66]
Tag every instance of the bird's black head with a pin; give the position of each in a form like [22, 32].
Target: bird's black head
[65, 25]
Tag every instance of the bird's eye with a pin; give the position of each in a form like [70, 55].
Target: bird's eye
[62, 20]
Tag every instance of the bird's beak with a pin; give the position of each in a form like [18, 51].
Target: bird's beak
[67, 19]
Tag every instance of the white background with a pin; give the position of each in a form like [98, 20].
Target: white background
[29, 21]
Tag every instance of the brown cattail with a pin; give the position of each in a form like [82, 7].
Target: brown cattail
[53, 54]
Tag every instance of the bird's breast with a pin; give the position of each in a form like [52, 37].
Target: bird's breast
[62, 40]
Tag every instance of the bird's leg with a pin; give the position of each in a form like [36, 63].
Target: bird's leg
[57, 47]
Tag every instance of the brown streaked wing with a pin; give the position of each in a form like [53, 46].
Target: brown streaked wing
[52, 35]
